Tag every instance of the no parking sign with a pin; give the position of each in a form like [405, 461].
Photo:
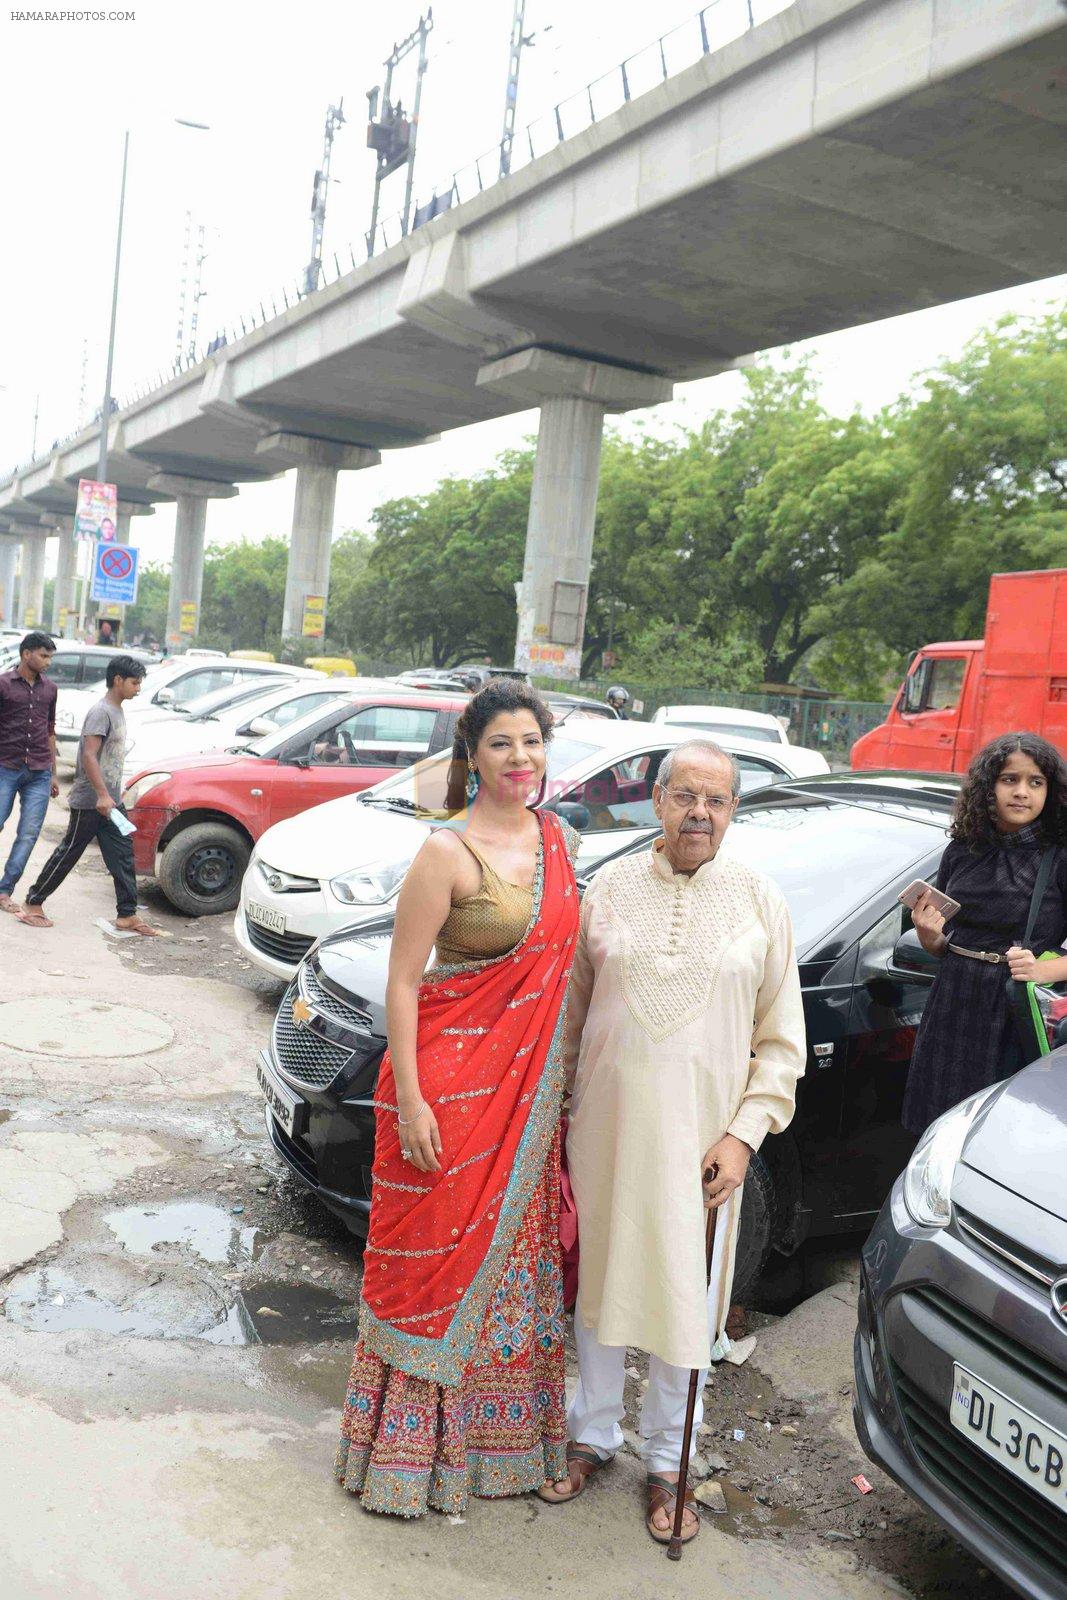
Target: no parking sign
[115, 570]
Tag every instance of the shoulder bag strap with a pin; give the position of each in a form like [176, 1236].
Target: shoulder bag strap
[1044, 873]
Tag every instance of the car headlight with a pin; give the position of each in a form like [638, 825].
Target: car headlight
[137, 791]
[64, 719]
[928, 1175]
[370, 886]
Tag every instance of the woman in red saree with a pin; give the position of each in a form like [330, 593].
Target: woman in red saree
[457, 1380]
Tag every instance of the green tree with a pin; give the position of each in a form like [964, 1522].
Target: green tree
[244, 587]
[982, 486]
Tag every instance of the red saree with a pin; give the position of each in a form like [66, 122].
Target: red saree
[457, 1381]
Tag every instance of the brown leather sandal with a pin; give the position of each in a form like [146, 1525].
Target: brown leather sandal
[582, 1462]
[662, 1495]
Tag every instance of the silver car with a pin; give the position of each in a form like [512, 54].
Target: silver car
[961, 1348]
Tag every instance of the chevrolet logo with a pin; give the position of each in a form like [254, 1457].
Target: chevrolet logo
[301, 1012]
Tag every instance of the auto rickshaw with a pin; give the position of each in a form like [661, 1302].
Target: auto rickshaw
[333, 666]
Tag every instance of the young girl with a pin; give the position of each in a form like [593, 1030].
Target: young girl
[1011, 809]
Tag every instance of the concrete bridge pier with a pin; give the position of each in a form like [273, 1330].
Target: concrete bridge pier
[9, 556]
[31, 585]
[63, 591]
[574, 396]
[317, 463]
[187, 562]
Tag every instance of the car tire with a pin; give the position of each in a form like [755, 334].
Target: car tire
[759, 1205]
[201, 869]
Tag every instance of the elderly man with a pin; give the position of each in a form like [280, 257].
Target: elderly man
[685, 1040]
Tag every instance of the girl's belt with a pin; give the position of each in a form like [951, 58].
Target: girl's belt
[991, 956]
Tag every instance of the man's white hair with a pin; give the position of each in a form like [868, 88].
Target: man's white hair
[702, 747]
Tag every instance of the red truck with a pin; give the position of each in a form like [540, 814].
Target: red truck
[959, 695]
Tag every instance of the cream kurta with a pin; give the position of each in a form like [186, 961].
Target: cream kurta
[684, 1022]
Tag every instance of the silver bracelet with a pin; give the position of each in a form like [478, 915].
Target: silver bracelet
[400, 1120]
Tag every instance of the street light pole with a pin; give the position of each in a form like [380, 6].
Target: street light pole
[105, 415]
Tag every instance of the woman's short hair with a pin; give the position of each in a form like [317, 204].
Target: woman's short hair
[973, 818]
[499, 695]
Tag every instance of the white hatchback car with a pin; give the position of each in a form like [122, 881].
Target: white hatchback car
[338, 864]
[170, 683]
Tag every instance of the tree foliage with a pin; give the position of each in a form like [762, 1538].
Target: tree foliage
[774, 543]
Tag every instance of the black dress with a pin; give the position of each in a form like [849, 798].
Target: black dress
[967, 1038]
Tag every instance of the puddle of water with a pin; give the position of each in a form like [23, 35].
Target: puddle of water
[207, 1230]
[5, 1114]
[50, 1300]
[294, 1313]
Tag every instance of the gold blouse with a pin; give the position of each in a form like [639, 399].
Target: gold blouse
[487, 924]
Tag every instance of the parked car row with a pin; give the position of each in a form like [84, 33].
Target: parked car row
[961, 1343]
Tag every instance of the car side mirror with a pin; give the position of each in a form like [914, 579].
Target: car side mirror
[571, 811]
[259, 726]
[910, 957]
[165, 697]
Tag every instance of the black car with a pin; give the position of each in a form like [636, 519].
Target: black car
[842, 846]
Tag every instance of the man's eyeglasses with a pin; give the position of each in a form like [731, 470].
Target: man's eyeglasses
[686, 800]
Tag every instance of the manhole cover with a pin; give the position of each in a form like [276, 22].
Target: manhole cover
[82, 1029]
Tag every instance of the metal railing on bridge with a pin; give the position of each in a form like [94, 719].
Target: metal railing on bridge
[712, 27]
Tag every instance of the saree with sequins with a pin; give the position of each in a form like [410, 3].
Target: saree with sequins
[456, 1385]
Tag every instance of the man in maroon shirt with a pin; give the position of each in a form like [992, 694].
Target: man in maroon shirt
[27, 752]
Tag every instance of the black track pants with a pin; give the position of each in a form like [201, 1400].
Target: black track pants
[116, 849]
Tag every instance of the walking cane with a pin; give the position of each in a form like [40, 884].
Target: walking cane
[674, 1548]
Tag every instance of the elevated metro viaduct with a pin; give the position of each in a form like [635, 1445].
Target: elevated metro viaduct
[846, 161]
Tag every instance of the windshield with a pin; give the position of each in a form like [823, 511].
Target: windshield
[742, 730]
[231, 694]
[424, 785]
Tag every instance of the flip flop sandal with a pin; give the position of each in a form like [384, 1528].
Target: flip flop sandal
[31, 920]
[584, 1461]
[662, 1495]
[138, 925]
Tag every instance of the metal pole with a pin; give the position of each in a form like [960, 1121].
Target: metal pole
[105, 415]
[512, 94]
[425, 24]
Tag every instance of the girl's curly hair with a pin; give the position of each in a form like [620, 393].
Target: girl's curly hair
[499, 694]
[972, 820]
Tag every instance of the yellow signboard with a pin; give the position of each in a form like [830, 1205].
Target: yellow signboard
[187, 617]
[63, 614]
[314, 625]
[29, 618]
[112, 611]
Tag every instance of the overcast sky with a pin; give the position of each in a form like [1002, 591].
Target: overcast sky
[262, 77]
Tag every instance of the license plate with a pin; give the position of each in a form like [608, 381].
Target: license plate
[265, 917]
[1005, 1430]
[286, 1106]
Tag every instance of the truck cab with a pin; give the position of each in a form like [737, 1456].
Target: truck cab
[933, 718]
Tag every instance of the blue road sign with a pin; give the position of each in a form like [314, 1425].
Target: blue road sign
[115, 573]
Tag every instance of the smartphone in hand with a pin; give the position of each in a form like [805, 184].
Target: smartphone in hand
[918, 887]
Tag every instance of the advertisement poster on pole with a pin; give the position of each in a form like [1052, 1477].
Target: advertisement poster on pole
[187, 617]
[115, 573]
[314, 624]
[97, 513]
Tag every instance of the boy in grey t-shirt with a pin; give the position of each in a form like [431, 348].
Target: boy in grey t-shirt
[96, 793]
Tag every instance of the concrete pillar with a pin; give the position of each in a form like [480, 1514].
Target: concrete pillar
[574, 396]
[317, 462]
[63, 595]
[9, 556]
[187, 562]
[31, 591]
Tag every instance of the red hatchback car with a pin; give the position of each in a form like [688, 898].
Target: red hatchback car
[198, 820]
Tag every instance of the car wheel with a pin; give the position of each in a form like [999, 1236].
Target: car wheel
[201, 868]
[758, 1210]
